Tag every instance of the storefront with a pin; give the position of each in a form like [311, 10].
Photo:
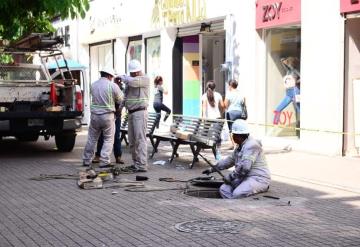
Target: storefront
[202, 53]
[198, 49]
[278, 23]
[350, 9]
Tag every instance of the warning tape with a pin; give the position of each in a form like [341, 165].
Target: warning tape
[280, 126]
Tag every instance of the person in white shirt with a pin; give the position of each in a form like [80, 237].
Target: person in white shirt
[212, 107]
[212, 103]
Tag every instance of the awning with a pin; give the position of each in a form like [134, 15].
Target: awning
[71, 64]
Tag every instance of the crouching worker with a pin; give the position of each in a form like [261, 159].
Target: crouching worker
[251, 174]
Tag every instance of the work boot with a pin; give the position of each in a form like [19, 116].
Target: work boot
[85, 164]
[96, 159]
[106, 165]
[134, 168]
[119, 160]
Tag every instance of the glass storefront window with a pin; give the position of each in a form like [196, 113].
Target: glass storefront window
[101, 56]
[134, 50]
[153, 62]
[283, 81]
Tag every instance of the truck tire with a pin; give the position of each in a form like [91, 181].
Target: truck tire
[28, 137]
[65, 142]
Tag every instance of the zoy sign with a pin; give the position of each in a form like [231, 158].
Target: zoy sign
[271, 11]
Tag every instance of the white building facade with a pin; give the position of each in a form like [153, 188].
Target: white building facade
[189, 42]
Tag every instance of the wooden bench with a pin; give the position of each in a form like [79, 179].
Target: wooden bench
[204, 134]
[152, 122]
[207, 137]
[182, 123]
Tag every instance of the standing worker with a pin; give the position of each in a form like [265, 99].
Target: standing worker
[251, 174]
[117, 143]
[136, 102]
[104, 95]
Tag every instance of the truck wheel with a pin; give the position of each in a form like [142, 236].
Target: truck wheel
[65, 141]
[29, 137]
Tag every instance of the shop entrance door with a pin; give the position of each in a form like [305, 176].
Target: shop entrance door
[212, 56]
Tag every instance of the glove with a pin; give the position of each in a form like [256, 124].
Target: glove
[228, 178]
[208, 171]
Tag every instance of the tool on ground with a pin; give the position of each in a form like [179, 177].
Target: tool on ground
[212, 165]
[54, 176]
[141, 178]
[272, 197]
[151, 189]
[87, 184]
[173, 180]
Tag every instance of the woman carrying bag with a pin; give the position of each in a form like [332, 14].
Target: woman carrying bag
[235, 106]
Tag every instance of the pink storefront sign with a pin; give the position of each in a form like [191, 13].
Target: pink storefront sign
[271, 13]
[349, 6]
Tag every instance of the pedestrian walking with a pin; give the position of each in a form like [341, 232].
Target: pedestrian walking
[117, 143]
[136, 102]
[104, 95]
[212, 108]
[234, 104]
[212, 103]
[158, 98]
[251, 174]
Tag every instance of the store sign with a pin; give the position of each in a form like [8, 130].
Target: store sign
[270, 13]
[349, 6]
[176, 12]
[98, 21]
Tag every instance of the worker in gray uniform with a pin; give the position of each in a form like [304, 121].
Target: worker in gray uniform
[251, 174]
[136, 102]
[104, 95]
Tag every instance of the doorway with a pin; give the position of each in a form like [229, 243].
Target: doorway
[212, 57]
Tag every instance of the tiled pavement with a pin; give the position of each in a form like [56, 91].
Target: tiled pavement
[58, 213]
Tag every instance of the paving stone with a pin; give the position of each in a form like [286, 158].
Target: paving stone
[58, 213]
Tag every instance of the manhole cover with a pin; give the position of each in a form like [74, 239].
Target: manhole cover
[212, 226]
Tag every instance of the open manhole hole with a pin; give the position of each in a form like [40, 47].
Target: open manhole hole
[204, 193]
[212, 226]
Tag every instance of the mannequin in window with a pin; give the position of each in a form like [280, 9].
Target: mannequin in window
[292, 85]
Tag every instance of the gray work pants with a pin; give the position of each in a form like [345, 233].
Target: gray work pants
[104, 123]
[249, 186]
[137, 128]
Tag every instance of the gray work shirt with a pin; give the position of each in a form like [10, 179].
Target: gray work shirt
[249, 160]
[104, 95]
[136, 91]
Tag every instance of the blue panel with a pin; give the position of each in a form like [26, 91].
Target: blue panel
[191, 107]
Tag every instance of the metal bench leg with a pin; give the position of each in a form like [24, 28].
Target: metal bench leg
[152, 141]
[155, 146]
[195, 153]
[175, 147]
[214, 151]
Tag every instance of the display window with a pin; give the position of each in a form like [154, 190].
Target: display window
[283, 81]
[152, 47]
[134, 50]
[100, 56]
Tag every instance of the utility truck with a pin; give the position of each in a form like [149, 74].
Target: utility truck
[32, 102]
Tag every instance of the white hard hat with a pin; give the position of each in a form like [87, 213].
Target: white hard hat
[134, 66]
[240, 127]
[108, 70]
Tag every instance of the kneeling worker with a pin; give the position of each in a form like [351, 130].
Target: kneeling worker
[251, 174]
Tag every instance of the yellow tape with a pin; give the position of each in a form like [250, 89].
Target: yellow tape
[280, 126]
